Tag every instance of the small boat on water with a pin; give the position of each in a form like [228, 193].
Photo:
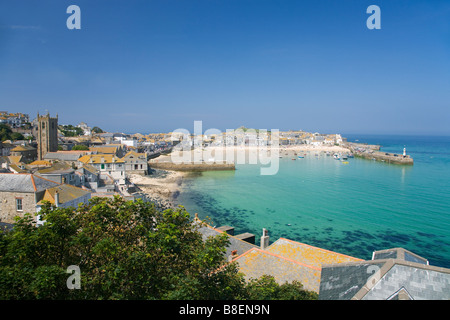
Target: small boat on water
[300, 157]
[336, 156]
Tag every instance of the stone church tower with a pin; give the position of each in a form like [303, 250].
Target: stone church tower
[47, 138]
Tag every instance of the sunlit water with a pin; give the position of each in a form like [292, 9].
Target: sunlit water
[352, 208]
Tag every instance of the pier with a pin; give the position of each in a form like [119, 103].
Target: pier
[168, 165]
[371, 152]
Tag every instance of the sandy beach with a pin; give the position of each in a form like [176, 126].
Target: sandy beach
[234, 154]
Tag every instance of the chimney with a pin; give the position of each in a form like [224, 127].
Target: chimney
[264, 239]
[232, 256]
[56, 198]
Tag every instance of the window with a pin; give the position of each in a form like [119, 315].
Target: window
[19, 204]
[103, 166]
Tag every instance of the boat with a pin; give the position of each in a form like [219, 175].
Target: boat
[301, 157]
[336, 156]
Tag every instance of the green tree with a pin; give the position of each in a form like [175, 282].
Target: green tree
[125, 250]
[266, 288]
[97, 130]
[17, 136]
[80, 147]
[5, 132]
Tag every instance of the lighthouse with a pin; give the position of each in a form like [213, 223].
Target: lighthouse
[404, 152]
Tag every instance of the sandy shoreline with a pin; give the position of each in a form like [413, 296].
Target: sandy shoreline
[232, 154]
[163, 186]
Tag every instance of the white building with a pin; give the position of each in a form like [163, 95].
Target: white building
[106, 164]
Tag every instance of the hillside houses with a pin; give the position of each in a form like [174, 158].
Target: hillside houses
[106, 164]
[22, 193]
[65, 177]
[136, 163]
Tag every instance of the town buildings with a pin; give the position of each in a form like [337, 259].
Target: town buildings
[20, 193]
[14, 120]
[106, 163]
[136, 163]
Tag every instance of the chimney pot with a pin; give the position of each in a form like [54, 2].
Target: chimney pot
[56, 198]
[264, 239]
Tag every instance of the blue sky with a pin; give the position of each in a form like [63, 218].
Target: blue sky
[155, 66]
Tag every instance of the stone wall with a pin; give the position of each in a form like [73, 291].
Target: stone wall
[8, 208]
[191, 166]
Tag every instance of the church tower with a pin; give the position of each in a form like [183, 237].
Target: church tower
[47, 135]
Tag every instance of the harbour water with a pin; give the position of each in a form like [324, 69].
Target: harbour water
[352, 208]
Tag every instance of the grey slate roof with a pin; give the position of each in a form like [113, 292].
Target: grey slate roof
[394, 274]
[399, 253]
[24, 182]
[239, 245]
[63, 156]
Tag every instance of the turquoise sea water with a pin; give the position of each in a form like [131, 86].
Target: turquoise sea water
[352, 208]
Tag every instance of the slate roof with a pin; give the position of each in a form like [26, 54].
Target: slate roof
[89, 168]
[288, 260]
[57, 168]
[63, 155]
[307, 254]
[24, 182]
[97, 158]
[395, 276]
[256, 262]
[21, 148]
[135, 155]
[41, 163]
[399, 253]
[238, 245]
[66, 193]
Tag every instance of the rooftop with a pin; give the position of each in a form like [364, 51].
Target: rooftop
[100, 158]
[391, 274]
[66, 193]
[24, 182]
[288, 260]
